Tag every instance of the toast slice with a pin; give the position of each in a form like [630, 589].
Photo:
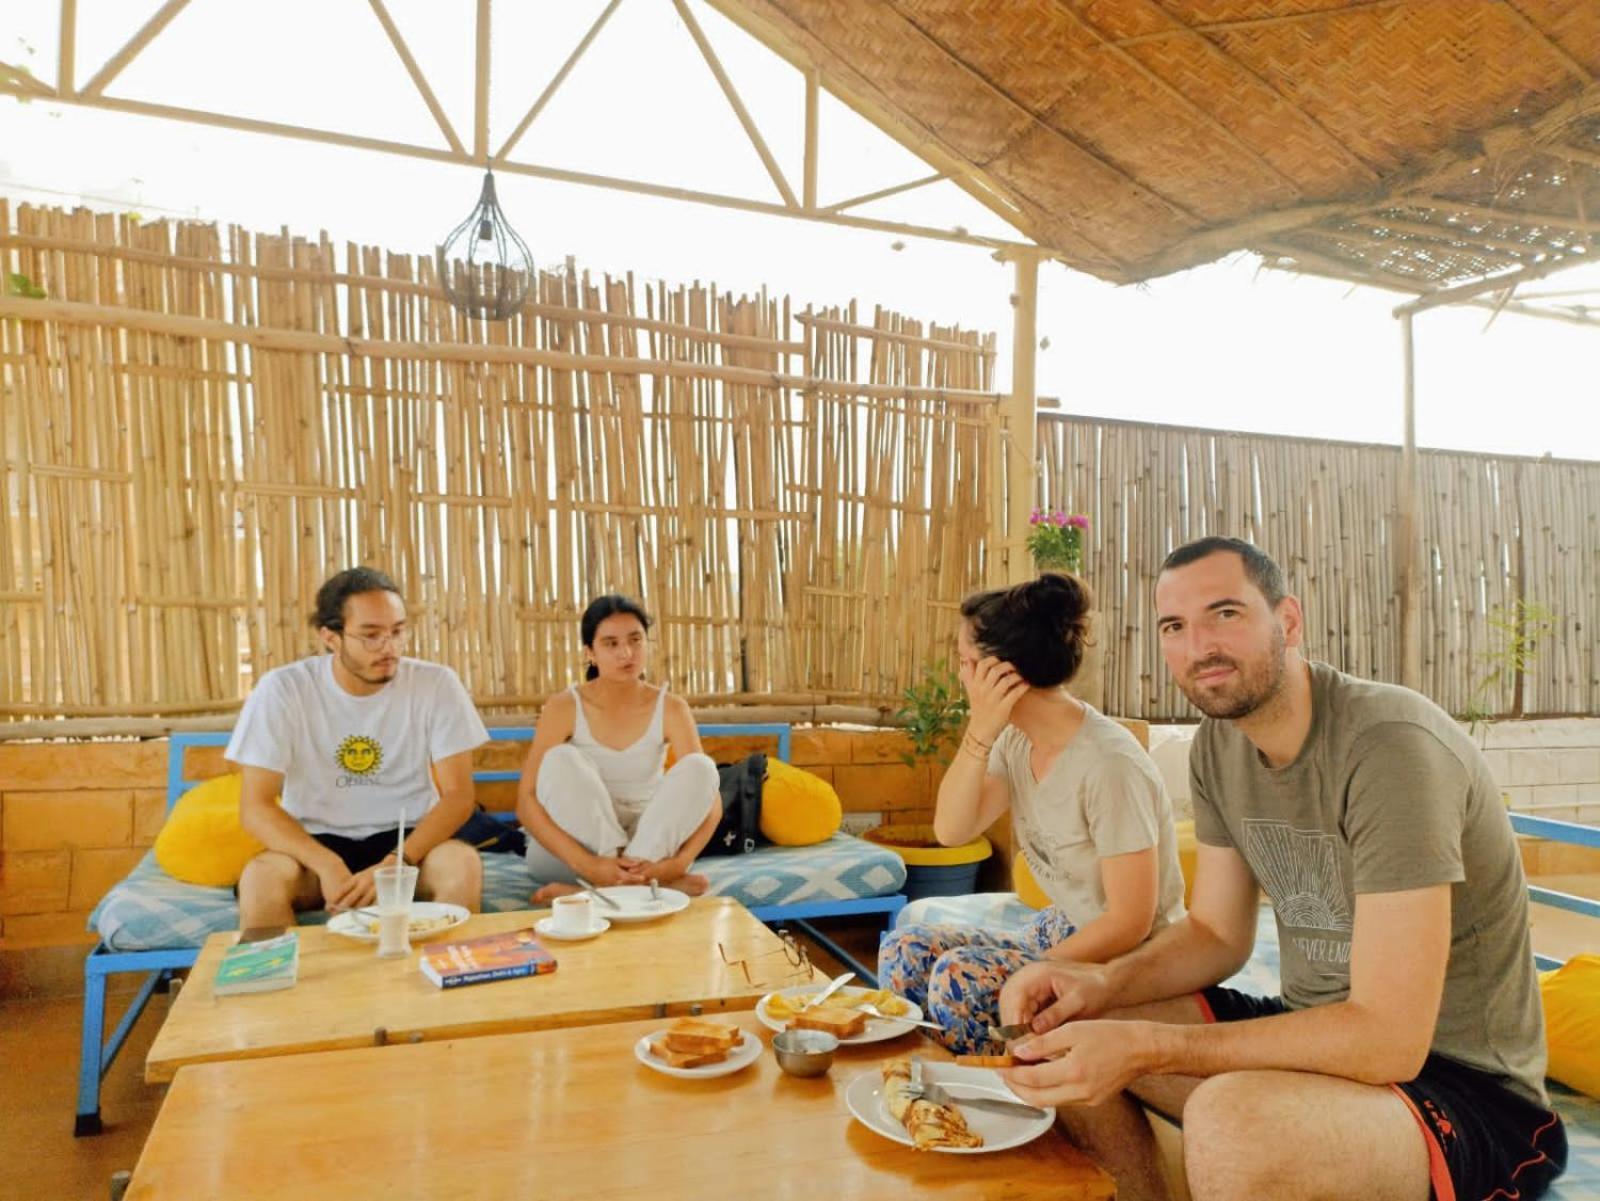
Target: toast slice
[986, 1061]
[696, 1036]
[685, 1059]
[841, 1023]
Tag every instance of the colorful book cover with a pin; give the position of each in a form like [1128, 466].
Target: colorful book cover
[488, 957]
[258, 966]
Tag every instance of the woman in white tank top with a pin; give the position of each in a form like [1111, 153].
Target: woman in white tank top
[595, 797]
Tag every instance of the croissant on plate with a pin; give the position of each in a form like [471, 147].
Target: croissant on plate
[929, 1125]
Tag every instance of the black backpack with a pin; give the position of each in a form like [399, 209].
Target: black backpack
[739, 831]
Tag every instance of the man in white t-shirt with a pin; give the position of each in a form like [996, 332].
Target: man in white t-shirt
[354, 741]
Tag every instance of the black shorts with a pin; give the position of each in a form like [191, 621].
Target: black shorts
[360, 853]
[1484, 1141]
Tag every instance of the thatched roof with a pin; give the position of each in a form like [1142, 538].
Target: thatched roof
[1416, 143]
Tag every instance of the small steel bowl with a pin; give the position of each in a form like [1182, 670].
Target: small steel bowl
[805, 1052]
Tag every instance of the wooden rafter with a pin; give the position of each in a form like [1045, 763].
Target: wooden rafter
[780, 32]
[708, 53]
[557, 80]
[1222, 54]
[20, 82]
[808, 187]
[1038, 119]
[1209, 119]
[1479, 287]
[1444, 205]
[1578, 154]
[480, 75]
[67, 51]
[417, 77]
[882, 193]
[532, 170]
[146, 34]
[1315, 14]
[1453, 233]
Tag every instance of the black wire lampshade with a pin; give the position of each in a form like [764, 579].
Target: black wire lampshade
[484, 266]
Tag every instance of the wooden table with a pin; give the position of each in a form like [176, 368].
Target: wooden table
[559, 1115]
[348, 997]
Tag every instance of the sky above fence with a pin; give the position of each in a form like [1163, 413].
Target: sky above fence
[1226, 346]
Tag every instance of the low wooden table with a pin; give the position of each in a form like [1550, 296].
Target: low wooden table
[560, 1115]
[348, 997]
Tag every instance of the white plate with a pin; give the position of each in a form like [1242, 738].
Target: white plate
[1000, 1131]
[745, 1052]
[365, 927]
[546, 927]
[877, 1029]
[637, 905]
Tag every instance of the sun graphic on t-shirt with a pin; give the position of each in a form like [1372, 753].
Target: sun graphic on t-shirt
[359, 755]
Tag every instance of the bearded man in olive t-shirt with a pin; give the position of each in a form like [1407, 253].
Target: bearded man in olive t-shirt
[1405, 1057]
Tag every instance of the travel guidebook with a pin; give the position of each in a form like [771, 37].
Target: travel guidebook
[488, 957]
[258, 966]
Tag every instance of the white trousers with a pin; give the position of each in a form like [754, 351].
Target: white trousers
[573, 794]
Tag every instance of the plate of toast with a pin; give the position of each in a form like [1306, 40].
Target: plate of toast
[697, 1049]
[840, 1015]
[883, 1101]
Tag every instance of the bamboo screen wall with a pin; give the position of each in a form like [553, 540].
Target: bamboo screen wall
[198, 430]
[1326, 511]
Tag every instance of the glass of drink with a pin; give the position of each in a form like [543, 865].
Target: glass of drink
[397, 884]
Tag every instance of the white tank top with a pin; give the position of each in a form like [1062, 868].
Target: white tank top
[634, 773]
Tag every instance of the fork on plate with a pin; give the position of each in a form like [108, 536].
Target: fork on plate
[972, 1096]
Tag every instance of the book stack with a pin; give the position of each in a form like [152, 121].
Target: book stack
[489, 957]
[258, 966]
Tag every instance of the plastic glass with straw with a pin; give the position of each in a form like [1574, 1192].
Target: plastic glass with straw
[397, 884]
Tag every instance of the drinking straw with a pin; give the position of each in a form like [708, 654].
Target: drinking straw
[400, 841]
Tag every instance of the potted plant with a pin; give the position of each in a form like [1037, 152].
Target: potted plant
[1055, 540]
[934, 711]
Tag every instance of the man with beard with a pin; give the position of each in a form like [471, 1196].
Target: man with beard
[1406, 1052]
[354, 741]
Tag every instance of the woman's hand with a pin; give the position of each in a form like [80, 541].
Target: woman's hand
[606, 870]
[993, 690]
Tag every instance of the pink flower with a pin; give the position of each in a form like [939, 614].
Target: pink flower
[1036, 518]
[1078, 520]
[1059, 518]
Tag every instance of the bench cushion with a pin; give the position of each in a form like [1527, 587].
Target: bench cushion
[149, 910]
[1005, 911]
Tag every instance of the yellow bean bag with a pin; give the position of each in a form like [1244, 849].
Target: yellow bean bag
[1572, 1022]
[1027, 888]
[797, 808]
[202, 841]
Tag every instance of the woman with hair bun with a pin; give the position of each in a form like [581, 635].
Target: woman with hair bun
[594, 795]
[1089, 812]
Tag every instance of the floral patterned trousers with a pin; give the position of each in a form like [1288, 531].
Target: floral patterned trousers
[956, 972]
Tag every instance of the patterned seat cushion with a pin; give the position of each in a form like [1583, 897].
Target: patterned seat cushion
[1004, 911]
[149, 910]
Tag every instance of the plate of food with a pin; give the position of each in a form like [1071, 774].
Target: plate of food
[697, 1049]
[635, 904]
[840, 1015]
[883, 1101]
[428, 918]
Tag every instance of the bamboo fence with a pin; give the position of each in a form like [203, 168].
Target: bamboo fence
[1493, 530]
[198, 429]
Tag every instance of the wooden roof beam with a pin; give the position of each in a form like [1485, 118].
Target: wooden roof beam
[737, 103]
[1314, 14]
[560, 77]
[146, 34]
[1454, 233]
[417, 78]
[20, 82]
[881, 193]
[67, 50]
[1479, 212]
[1551, 46]
[480, 76]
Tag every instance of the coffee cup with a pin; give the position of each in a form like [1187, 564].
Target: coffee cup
[572, 914]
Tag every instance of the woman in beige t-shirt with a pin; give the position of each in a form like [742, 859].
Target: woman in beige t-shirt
[1089, 812]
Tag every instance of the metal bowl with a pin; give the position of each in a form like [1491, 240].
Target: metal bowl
[805, 1052]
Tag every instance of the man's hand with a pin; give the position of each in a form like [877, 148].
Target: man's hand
[993, 690]
[342, 889]
[613, 869]
[1043, 995]
[1080, 1063]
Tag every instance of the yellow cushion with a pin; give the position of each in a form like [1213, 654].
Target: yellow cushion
[1572, 1022]
[1026, 886]
[797, 808]
[203, 842]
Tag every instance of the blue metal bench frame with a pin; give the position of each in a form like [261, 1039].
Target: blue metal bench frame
[1557, 831]
[96, 1057]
